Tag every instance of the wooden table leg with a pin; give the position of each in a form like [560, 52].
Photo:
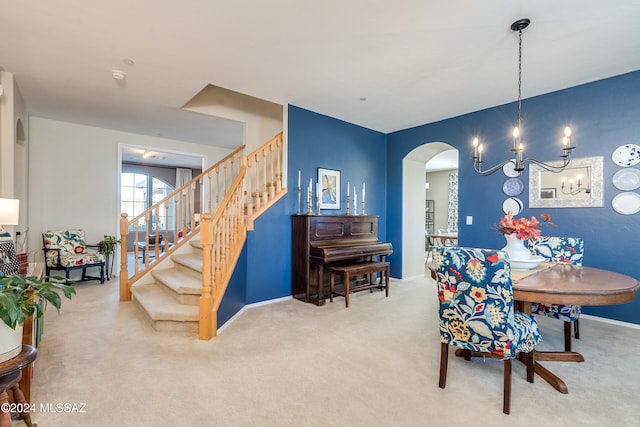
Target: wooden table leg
[551, 378]
[5, 417]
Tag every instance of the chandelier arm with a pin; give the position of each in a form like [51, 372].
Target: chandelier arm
[477, 167]
[548, 167]
[518, 148]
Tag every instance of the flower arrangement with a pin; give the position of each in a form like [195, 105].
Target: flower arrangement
[523, 228]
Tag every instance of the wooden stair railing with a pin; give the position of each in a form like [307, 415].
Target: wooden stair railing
[230, 202]
[222, 236]
[208, 189]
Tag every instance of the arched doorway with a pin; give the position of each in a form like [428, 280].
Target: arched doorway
[414, 178]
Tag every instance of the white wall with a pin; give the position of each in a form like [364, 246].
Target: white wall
[262, 119]
[74, 177]
[13, 150]
[439, 192]
[413, 218]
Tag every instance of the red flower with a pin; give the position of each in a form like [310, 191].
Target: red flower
[523, 228]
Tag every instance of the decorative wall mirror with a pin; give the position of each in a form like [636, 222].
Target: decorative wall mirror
[580, 185]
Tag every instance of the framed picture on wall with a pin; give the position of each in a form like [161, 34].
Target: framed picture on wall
[547, 193]
[329, 180]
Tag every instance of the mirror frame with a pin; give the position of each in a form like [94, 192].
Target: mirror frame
[597, 185]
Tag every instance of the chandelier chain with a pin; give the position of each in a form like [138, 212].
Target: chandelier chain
[518, 163]
[519, 118]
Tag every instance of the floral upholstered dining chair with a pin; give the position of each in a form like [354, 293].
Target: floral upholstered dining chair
[67, 250]
[565, 250]
[477, 312]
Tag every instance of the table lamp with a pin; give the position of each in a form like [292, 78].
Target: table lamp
[9, 215]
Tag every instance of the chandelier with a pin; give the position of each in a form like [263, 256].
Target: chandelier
[574, 190]
[519, 161]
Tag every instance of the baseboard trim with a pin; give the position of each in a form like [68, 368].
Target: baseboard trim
[248, 306]
[276, 300]
[611, 321]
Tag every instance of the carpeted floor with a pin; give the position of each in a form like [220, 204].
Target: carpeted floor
[295, 364]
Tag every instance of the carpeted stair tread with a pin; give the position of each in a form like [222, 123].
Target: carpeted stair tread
[190, 260]
[195, 243]
[160, 305]
[178, 281]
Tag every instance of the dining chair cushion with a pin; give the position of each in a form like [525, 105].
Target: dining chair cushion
[564, 250]
[476, 303]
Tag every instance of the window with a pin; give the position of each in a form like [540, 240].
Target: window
[139, 191]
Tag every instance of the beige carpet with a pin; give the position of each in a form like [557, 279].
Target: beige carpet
[295, 364]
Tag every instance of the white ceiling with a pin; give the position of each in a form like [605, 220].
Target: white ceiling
[383, 65]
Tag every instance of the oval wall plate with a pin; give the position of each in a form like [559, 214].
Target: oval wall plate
[513, 186]
[627, 179]
[509, 169]
[513, 205]
[626, 155]
[626, 203]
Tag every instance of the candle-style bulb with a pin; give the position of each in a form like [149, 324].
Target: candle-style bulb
[567, 131]
[475, 142]
[516, 132]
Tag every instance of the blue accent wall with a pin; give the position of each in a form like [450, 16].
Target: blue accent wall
[269, 254]
[235, 295]
[358, 153]
[603, 115]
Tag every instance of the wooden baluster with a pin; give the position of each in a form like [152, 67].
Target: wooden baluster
[272, 178]
[208, 321]
[249, 197]
[278, 165]
[265, 195]
[125, 291]
[257, 200]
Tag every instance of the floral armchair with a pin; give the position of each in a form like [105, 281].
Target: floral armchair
[66, 250]
[567, 250]
[477, 312]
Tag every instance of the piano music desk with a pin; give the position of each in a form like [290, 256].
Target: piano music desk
[369, 269]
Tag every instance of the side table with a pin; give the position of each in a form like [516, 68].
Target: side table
[10, 375]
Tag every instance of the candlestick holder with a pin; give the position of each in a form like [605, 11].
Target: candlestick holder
[318, 205]
[355, 208]
[363, 213]
[299, 194]
[309, 204]
[348, 198]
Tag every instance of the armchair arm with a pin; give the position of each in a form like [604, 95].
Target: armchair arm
[46, 249]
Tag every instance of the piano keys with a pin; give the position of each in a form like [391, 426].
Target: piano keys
[328, 239]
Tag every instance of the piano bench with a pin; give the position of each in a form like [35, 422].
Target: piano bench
[369, 268]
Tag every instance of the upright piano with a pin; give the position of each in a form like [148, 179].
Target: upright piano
[327, 239]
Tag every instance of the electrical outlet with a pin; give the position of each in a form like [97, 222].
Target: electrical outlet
[469, 220]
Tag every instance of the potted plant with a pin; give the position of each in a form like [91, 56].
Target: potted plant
[108, 244]
[21, 297]
[107, 247]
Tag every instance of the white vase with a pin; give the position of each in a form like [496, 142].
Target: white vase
[10, 341]
[516, 248]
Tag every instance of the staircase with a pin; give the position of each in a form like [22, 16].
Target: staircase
[181, 289]
[172, 301]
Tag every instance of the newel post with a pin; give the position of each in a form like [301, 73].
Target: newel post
[208, 319]
[125, 290]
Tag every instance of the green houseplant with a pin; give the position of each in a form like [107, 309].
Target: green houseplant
[108, 247]
[22, 296]
[108, 244]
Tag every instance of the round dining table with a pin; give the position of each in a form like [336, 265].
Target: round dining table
[569, 284]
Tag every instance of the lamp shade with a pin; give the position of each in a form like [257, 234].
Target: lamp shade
[9, 212]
